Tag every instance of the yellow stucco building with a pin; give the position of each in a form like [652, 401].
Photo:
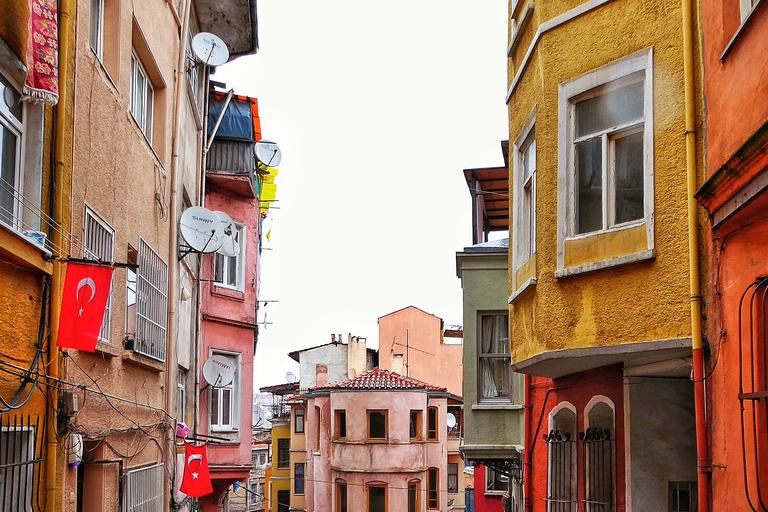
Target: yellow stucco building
[599, 284]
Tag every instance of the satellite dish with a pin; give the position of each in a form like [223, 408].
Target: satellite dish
[450, 420]
[291, 377]
[218, 371]
[258, 416]
[229, 247]
[268, 153]
[210, 49]
[201, 230]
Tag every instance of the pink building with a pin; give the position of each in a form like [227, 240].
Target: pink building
[377, 442]
[228, 296]
[413, 342]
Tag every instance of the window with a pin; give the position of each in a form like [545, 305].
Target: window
[283, 501]
[130, 293]
[298, 478]
[142, 96]
[414, 427]
[341, 424]
[453, 477]
[283, 453]
[413, 496]
[17, 467]
[377, 498]
[195, 76]
[377, 425]
[318, 429]
[746, 8]
[224, 400]
[524, 228]
[100, 246]
[606, 142]
[599, 455]
[561, 453]
[341, 496]
[493, 358]
[97, 28]
[151, 302]
[495, 481]
[298, 425]
[143, 489]
[432, 423]
[182, 396]
[433, 489]
[682, 497]
[229, 271]
[21, 142]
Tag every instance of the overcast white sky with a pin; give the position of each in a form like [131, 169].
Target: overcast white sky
[377, 107]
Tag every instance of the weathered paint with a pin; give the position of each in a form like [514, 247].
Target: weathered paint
[360, 461]
[485, 501]
[603, 246]
[634, 303]
[431, 360]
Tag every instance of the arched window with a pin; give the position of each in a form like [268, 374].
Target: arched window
[599, 440]
[341, 496]
[561, 451]
[433, 489]
[413, 495]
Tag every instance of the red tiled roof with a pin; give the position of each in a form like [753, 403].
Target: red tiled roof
[378, 379]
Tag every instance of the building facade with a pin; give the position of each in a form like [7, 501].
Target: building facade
[604, 126]
[375, 442]
[735, 199]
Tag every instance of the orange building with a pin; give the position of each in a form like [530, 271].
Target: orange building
[735, 195]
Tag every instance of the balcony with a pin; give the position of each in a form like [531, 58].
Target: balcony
[231, 168]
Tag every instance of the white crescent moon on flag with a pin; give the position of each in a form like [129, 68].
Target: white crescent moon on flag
[197, 456]
[90, 284]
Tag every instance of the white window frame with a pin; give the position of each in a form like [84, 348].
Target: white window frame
[141, 85]
[216, 394]
[490, 482]
[181, 386]
[96, 32]
[236, 282]
[594, 401]
[596, 82]
[574, 459]
[143, 489]
[746, 7]
[14, 125]
[524, 228]
[99, 245]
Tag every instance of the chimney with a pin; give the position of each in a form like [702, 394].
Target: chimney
[333, 338]
[397, 364]
[356, 356]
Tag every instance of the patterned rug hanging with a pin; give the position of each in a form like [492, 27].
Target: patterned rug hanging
[42, 82]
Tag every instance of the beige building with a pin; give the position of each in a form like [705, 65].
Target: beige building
[139, 136]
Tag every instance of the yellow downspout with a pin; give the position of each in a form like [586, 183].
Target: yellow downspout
[60, 127]
[702, 448]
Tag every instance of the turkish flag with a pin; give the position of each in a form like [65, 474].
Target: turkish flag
[197, 479]
[85, 297]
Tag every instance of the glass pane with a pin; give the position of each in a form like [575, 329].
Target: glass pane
[628, 155]
[614, 108]
[414, 433]
[589, 168]
[16, 107]
[378, 425]
[529, 155]
[7, 174]
[226, 395]
[218, 268]
[96, 17]
[413, 497]
[231, 271]
[342, 491]
[377, 499]
[215, 407]
[495, 377]
[495, 335]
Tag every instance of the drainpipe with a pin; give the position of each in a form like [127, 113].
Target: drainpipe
[60, 126]
[173, 270]
[702, 448]
[527, 455]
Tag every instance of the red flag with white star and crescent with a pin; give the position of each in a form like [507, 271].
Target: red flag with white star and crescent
[196, 482]
[85, 297]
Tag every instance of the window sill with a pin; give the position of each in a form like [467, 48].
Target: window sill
[609, 263]
[22, 251]
[497, 407]
[529, 285]
[742, 28]
[108, 349]
[143, 361]
[228, 293]
[229, 436]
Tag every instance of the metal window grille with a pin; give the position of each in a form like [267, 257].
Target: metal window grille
[682, 497]
[598, 455]
[143, 489]
[20, 471]
[151, 303]
[100, 246]
[753, 391]
[561, 492]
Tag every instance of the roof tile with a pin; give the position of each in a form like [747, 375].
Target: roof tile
[378, 379]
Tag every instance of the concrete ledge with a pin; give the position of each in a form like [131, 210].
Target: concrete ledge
[609, 263]
[497, 407]
[529, 285]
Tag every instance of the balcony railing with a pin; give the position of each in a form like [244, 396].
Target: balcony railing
[231, 164]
